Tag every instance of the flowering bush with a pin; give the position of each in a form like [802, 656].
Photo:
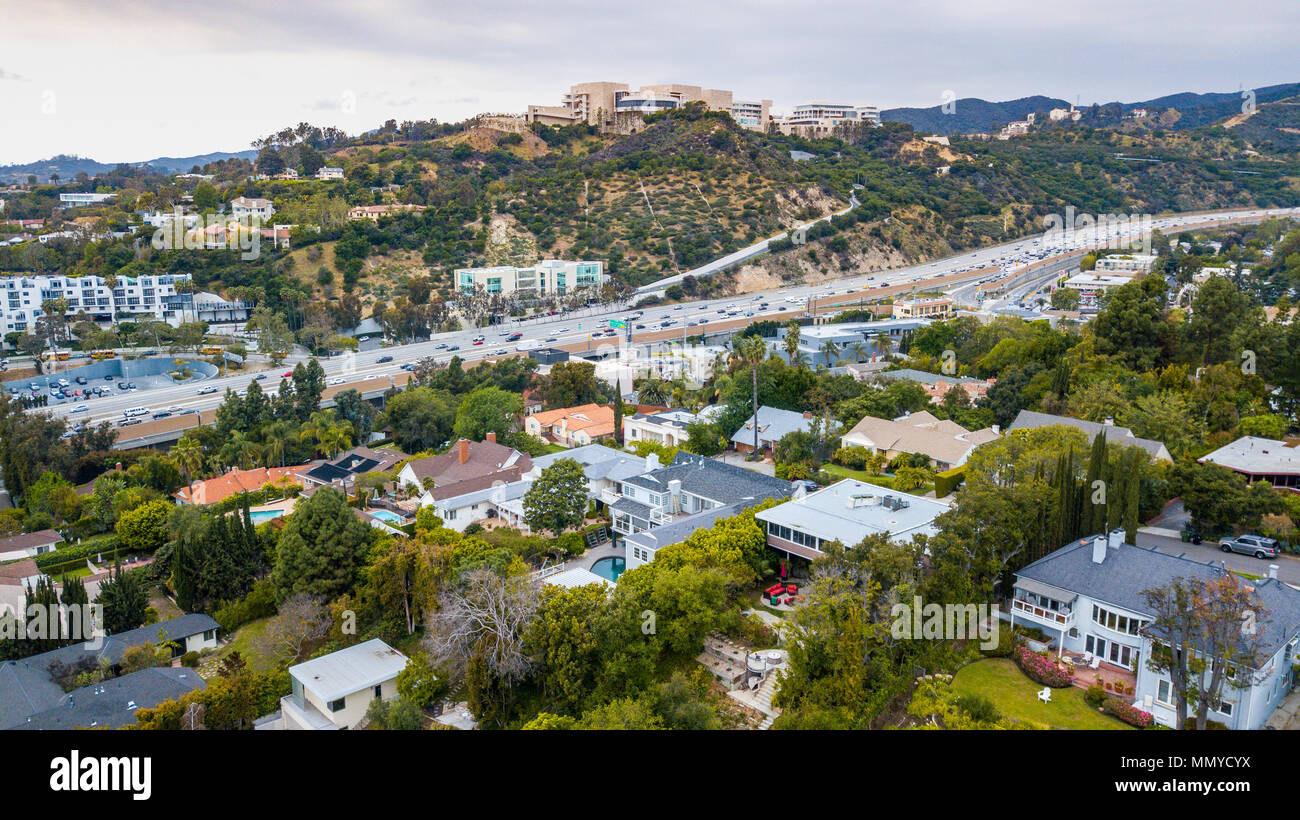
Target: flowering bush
[1127, 712]
[1040, 668]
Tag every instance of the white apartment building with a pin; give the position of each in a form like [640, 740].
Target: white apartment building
[1128, 263]
[21, 298]
[251, 207]
[550, 277]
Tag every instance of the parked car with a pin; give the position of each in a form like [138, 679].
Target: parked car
[1256, 545]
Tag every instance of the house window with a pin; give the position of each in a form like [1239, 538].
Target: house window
[1165, 693]
[210, 635]
[379, 691]
[1224, 707]
[337, 705]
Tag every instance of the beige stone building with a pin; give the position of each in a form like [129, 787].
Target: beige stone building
[937, 309]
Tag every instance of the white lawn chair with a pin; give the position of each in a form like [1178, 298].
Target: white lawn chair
[1087, 658]
[1045, 695]
[1096, 661]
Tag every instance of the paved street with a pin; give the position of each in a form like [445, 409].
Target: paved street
[1288, 566]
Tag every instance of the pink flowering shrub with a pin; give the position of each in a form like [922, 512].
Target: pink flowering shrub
[1127, 712]
[1041, 668]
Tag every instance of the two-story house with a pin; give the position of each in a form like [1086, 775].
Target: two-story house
[335, 690]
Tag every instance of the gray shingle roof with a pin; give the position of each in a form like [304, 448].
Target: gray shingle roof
[1128, 570]
[773, 424]
[1029, 419]
[113, 703]
[715, 480]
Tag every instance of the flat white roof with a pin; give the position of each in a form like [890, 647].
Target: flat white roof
[850, 510]
[576, 577]
[341, 673]
[1252, 454]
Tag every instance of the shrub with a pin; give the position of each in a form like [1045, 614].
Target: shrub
[979, 708]
[1127, 712]
[1007, 641]
[258, 603]
[855, 458]
[474, 528]
[1094, 696]
[1210, 725]
[1040, 668]
[190, 659]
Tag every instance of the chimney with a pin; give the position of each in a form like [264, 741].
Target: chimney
[997, 429]
[807, 414]
[491, 436]
[1116, 538]
[1099, 549]
[462, 450]
[1110, 421]
[675, 492]
[1272, 571]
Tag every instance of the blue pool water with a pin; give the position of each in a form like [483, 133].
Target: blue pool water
[386, 515]
[262, 516]
[609, 568]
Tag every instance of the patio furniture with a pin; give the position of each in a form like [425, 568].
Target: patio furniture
[1096, 661]
[1087, 658]
[1045, 695]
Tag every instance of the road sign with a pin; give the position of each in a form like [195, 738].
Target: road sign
[617, 323]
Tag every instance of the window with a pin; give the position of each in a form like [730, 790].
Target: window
[1165, 693]
[1224, 707]
[337, 705]
[210, 635]
[379, 691]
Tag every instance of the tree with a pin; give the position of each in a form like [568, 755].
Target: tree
[1206, 633]
[144, 529]
[487, 409]
[420, 418]
[751, 352]
[394, 714]
[122, 596]
[1066, 299]
[321, 547]
[557, 499]
[274, 338]
[301, 623]
[1132, 326]
[570, 384]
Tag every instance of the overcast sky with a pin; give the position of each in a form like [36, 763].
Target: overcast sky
[123, 80]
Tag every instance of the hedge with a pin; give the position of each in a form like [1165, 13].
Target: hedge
[77, 554]
[947, 481]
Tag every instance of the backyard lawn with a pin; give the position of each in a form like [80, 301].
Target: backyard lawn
[880, 480]
[1016, 696]
[246, 643]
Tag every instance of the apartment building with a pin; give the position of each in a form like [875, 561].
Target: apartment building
[937, 309]
[550, 277]
[1133, 263]
[21, 298]
[82, 200]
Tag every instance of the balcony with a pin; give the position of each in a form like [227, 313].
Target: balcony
[609, 496]
[1057, 619]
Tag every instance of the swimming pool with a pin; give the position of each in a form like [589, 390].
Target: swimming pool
[609, 568]
[386, 515]
[262, 516]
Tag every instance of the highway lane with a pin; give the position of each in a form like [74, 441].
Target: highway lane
[573, 331]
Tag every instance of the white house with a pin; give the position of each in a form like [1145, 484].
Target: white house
[667, 428]
[28, 545]
[335, 690]
[1088, 597]
[328, 172]
[243, 206]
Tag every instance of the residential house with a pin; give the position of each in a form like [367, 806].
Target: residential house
[774, 423]
[937, 386]
[373, 212]
[222, 487]
[335, 690]
[1088, 596]
[28, 544]
[691, 484]
[572, 426]
[243, 206]
[936, 309]
[1028, 419]
[851, 341]
[466, 460]
[946, 443]
[1261, 459]
[22, 573]
[29, 688]
[329, 172]
[667, 428]
[343, 470]
[112, 704]
[847, 511]
[471, 501]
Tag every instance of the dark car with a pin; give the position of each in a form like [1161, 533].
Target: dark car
[383, 359]
[454, 347]
[260, 376]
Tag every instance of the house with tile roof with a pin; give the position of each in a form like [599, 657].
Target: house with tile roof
[466, 461]
[945, 442]
[937, 386]
[234, 482]
[1088, 597]
[572, 426]
[1029, 419]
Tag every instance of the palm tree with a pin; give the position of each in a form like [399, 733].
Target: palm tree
[331, 436]
[276, 441]
[241, 451]
[792, 344]
[831, 351]
[859, 351]
[187, 455]
[752, 351]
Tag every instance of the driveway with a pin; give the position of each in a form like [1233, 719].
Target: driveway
[1288, 566]
[738, 460]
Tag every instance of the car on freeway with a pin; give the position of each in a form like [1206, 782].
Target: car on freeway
[80, 408]
[287, 375]
[514, 337]
[640, 327]
[408, 366]
[260, 376]
[478, 341]
[562, 330]
[1251, 544]
[501, 351]
[383, 359]
[337, 380]
[551, 339]
[203, 391]
[453, 347]
[440, 346]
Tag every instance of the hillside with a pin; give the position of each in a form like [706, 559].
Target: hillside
[67, 167]
[970, 114]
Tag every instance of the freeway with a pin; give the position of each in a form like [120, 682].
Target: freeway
[573, 332]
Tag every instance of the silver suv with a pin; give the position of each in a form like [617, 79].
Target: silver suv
[1256, 545]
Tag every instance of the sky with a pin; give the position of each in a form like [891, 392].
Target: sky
[127, 80]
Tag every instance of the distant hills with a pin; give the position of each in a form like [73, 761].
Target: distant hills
[971, 114]
[67, 166]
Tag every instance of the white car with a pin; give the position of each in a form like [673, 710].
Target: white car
[338, 380]
[80, 408]
[206, 390]
[175, 408]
